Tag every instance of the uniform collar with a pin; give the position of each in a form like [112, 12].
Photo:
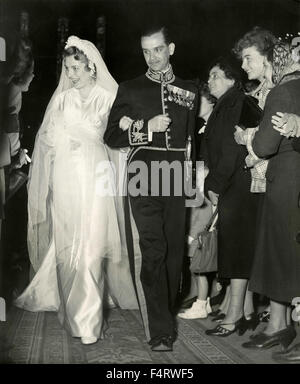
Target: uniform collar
[161, 77]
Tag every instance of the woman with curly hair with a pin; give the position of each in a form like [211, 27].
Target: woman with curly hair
[276, 267]
[228, 186]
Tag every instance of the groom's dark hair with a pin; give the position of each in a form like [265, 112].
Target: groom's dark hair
[150, 29]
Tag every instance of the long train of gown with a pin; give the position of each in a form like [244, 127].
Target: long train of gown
[86, 253]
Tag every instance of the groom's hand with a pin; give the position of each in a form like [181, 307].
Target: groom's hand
[159, 123]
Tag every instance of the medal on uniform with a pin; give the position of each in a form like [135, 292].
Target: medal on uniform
[181, 96]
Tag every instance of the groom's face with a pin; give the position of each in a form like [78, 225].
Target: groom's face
[156, 52]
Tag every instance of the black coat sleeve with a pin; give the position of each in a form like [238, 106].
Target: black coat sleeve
[137, 134]
[267, 140]
[231, 154]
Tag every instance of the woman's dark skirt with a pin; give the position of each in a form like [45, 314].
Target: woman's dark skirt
[237, 228]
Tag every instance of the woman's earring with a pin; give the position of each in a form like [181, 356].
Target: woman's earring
[93, 75]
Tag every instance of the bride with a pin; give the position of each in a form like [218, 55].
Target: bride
[76, 235]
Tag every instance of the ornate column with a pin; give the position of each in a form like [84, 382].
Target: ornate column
[100, 35]
[62, 35]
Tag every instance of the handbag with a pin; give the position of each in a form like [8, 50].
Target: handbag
[205, 258]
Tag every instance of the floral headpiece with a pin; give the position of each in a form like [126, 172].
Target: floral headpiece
[282, 59]
[74, 41]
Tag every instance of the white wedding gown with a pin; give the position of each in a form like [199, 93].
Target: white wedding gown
[85, 248]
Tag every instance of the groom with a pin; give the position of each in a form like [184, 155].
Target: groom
[154, 115]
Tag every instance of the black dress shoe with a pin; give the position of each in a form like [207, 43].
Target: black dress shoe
[162, 344]
[224, 332]
[264, 341]
[291, 356]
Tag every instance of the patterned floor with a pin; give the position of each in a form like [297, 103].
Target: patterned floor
[38, 338]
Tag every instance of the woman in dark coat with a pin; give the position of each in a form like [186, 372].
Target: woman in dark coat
[228, 184]
[276, 268]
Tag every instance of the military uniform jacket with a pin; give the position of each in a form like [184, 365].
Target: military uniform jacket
[143, 98]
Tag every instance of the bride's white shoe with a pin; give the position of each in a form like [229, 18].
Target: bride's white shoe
[89, 340]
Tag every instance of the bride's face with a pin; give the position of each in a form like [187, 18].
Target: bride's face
[77, 72]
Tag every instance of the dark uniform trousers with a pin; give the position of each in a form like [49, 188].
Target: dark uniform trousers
[159, 218]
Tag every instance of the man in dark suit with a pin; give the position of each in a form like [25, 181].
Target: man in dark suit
[154, 115]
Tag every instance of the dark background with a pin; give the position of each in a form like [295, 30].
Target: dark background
[202, 30]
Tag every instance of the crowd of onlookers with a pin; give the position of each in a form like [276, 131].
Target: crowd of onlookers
[247, 140]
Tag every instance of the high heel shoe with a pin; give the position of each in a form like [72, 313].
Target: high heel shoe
[253, 321]
[224, 332]
[264, 341]
[264, 317]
